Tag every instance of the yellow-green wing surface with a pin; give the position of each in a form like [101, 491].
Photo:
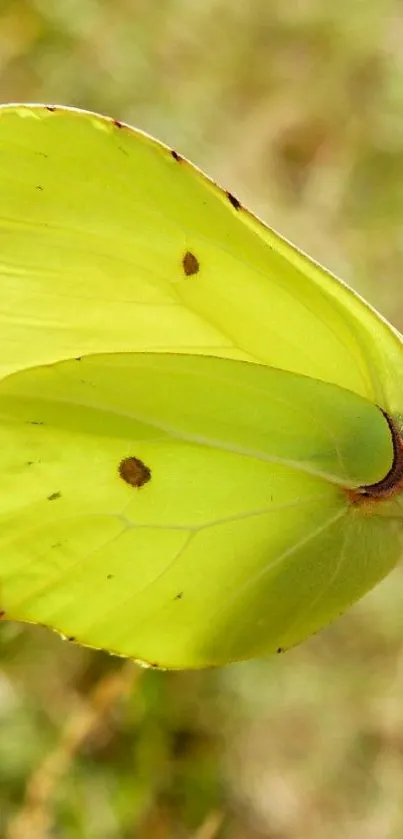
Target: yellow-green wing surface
[187, 510]
[224, 477]
[112, 242]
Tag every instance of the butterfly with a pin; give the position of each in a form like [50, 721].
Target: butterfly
[201, 455]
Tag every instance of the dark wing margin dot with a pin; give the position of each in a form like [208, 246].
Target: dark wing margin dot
[176, 156]
[233, 200]
[117, 123]
[134, 472]
[50, 108]
[190, 264]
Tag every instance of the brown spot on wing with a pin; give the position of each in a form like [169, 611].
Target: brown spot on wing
[50, 108]
[54, 496]
[134, 472]
[234, 201]
[190, 264]
[176, 156]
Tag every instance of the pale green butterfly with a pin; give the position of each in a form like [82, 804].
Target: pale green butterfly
[201, 454]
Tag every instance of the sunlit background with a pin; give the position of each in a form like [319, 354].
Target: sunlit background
[297, 107]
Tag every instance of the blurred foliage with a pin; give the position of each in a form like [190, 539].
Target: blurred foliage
[298, 108]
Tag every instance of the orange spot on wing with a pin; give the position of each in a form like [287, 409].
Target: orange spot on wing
[134, 472]
[190, 264]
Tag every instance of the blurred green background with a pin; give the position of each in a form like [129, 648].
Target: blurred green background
[297, 107]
